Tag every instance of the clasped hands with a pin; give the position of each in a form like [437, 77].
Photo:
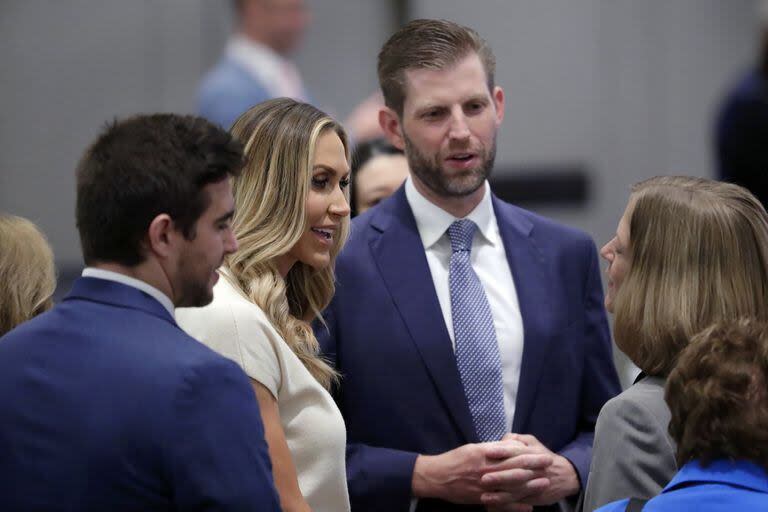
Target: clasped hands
[511, 475]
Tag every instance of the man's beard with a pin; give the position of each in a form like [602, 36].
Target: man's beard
[194, 292]
[195, 295]
[462, 183]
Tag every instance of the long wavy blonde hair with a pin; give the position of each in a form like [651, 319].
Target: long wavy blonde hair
[26, 272]
[280, 137]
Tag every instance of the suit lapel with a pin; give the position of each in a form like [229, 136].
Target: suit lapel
[532, 285]
[399, 255]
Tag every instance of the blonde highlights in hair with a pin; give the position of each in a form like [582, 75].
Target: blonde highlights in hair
[699, 255]
[26, 271]
[271, 193]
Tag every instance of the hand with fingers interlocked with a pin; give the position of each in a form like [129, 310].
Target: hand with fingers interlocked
[532, 475]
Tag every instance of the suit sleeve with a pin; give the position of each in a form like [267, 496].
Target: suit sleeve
[379, 479]
[633, 456]
[218, 456]
[600, 382]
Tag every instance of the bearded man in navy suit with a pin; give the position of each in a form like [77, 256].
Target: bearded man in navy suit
[470, 334]
[107, 403]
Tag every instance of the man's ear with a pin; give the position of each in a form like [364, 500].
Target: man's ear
[392, 128]
[161, 236]
[498, 101]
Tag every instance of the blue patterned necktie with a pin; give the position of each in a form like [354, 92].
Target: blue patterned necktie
[477, 352]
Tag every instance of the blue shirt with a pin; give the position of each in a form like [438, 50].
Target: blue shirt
[721, 486]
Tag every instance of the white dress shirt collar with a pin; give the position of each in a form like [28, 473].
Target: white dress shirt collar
[432, 221]
[150, 290]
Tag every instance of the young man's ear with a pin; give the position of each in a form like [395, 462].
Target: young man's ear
[161, 235]
[393, 130]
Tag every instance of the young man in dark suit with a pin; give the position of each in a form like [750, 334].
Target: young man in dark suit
[107, 403]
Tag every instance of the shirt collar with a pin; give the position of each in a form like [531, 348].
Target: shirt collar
[150, 290]
[432, 221]
[738, 473]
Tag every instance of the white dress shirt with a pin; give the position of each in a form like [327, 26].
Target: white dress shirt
[489, 261]
[150, 290]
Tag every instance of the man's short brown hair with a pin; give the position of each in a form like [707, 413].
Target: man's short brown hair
[718, 395]
[428, 44]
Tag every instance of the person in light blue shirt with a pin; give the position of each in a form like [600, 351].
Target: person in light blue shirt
[718, 398]
[256, 65]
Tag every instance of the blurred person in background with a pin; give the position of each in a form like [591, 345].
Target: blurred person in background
[378, 169]
[27, 272]
[741, 128]
[256, 64]
[292, 218]
[688, 252]
[106, 403]
[718, 401]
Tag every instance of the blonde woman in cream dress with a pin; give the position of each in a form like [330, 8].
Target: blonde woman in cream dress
[291, 220]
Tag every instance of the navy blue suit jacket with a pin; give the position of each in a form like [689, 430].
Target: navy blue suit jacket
[401, 394]
[108, 405]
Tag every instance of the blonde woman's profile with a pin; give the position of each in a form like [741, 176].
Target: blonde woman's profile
[291, 220]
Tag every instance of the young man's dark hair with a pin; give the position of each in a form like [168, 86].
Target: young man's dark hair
[141, 167]
[718, 395]
[428, 44]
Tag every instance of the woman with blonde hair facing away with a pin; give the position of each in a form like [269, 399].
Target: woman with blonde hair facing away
[27, 272]
[291, 220]
[688, 253]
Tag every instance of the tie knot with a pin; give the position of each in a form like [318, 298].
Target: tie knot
[461, 233]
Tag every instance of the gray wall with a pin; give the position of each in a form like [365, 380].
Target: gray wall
[67, 68]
